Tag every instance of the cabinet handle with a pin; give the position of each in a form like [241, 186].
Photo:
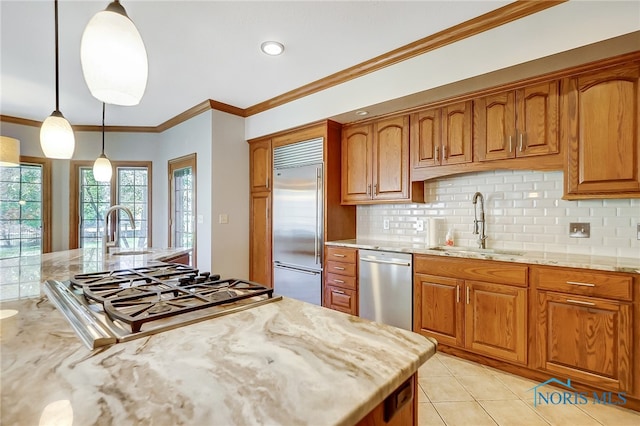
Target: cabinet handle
[375, 189]
[437, 153]
[468, 295]
[580, 302]
[338, 281]
[521, 142]
[510, 144]
[337, 291]
[339, 268]
[458, 293]
[339, 255]
[369, 189]
[267, 182]
[444, 152]
[581, 284]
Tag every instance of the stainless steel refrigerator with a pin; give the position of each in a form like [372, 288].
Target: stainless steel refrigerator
[297, 221]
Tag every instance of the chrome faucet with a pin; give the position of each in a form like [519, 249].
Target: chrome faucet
[106, 243]
[477, 222]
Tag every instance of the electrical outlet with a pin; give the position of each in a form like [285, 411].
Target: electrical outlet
[420, 225]
[385, 224]
[579, 230]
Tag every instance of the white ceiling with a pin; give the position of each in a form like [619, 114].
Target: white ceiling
[203, 49]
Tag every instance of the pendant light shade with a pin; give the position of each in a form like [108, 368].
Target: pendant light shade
[113, 57]
[56, 135]
[9, 152]
[102, 166]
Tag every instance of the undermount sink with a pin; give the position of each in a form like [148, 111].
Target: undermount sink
[476, 250]
[131, 252]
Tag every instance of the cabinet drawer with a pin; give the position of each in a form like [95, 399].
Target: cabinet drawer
[341, 281]
[341, 254]
[341, 268]
[582, 282]
[472, 269]
[340, 299]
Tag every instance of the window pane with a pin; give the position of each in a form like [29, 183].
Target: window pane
[95, 200]
[20, 211]
[133, 193]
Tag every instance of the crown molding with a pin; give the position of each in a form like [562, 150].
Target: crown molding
[511, 12]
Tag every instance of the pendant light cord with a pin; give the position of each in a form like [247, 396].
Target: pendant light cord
[57, 67]
[103, 128]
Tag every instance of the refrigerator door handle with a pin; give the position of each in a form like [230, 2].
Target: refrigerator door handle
[292, 268]
[318, 249]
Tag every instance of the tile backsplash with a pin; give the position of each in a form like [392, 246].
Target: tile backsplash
[524, 210]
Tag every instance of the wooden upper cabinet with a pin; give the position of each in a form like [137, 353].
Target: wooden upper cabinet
[518, 123]
[356, 163]
[260, 166]
[442, 136]
[603, 134]
[456, 133]
[375, 163]
[391, 159]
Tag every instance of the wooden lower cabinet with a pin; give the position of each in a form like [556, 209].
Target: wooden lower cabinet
[585, 338]
[260, 238]
[340, 299]
[341, 279]
[484, 317]
[398, 409]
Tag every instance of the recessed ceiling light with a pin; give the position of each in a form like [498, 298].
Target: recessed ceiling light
[362, 112]
[272, 48]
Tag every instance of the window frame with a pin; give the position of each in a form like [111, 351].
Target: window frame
[189, 160]
[74, 195]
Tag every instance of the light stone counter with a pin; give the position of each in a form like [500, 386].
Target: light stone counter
[283, 363]
[21, 277]
[603, 263]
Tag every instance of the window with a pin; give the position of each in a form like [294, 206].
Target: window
[182, 203]
[25, 209]
[130, 187]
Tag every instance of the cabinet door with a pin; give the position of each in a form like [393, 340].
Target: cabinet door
[496, 320]
[603, 127]
[456, 133]
[391, 159]
[426, 139]
[260, 166]
[340, 299]
[438, 309]
[494, 126]
[585, 338]
[356, 164]
[260, 238]
[537, 119]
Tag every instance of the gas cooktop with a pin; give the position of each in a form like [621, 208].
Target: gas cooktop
[116, 306]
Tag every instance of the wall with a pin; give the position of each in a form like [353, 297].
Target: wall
[557, 29]
[524, 211]
[230, 196]
[191, 136]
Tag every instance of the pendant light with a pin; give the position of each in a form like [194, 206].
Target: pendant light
[102, 167]
[113, 57]
[56, 136]
[9, 152]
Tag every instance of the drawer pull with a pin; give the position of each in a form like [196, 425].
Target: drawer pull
[468, 298]
[581, 284]
[339, 268]
[458, 293]
[580, 302]
[337, 291]
[338, 255]
[338, 281]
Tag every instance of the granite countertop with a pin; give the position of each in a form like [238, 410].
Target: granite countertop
[282, 363]
[603, 263]
[21, 277]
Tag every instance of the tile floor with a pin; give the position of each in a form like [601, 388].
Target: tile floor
[456, 392]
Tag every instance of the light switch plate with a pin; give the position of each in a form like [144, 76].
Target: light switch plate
[579, 230]
[223, 218]
[420, 225]
[385, 224]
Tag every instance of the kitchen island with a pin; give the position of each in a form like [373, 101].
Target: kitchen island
[282, 363]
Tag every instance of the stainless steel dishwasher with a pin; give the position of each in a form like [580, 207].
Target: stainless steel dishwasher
[386, 288]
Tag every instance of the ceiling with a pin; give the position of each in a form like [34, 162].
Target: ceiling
[206, 49]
